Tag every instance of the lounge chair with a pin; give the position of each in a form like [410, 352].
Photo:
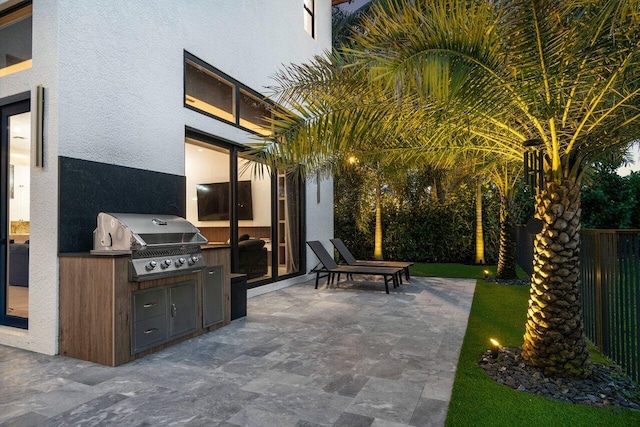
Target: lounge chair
[331, 268]
[346, 254]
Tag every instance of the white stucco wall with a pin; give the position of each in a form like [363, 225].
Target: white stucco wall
[43, 268]
[122, 70]
[113, 73]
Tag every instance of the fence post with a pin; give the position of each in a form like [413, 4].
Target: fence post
[598, 293]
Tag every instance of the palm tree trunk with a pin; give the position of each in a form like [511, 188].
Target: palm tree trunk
[479, 230]
[377, 251]
[507, 250]
[554, 339]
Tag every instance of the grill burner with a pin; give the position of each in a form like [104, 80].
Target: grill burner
[159, 245]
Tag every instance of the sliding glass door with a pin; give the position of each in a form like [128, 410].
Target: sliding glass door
[15, 140]
[234, 200]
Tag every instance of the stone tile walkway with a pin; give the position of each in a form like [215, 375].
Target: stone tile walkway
[346, 356]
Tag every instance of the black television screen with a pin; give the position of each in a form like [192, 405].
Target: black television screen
[213, 201]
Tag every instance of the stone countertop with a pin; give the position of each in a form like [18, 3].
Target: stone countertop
[128, 253]
[90, 255]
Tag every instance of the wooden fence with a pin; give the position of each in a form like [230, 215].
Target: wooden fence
[609, 291]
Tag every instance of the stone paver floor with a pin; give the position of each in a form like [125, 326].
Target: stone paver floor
[346, 356]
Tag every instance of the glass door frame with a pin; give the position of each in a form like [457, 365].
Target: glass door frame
[234, 150]
[10, 106]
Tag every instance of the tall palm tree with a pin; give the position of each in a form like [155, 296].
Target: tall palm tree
[505, 175]
[479, 259]
[562, 71]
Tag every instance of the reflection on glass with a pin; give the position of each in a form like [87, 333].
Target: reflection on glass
[288, 225]
[308, 17]
[254, 114]
[207, 171]
[15, 40]
[208, 92]
[18, 206]
[254, 233]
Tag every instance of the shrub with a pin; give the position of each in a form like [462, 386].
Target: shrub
[428, 231]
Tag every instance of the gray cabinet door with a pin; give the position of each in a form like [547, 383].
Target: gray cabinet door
[182, 308]
[212, 296]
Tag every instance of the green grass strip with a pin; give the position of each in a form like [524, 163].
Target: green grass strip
[499, 311]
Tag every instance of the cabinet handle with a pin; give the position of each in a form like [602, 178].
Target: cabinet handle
[150, 304]
[173, 310]
[150, 331]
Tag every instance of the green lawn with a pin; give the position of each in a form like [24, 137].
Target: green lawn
[499, 311]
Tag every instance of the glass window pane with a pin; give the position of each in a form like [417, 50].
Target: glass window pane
[288, 226]
[254, 235]
[209, 92]
[308, 16]
[15, 41]
[208, 189]
[254, 114]
[19, 204]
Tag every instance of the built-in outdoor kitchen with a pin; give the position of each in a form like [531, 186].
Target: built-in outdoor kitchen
[135, 276]
[150, 281]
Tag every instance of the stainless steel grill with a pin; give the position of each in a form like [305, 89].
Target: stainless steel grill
[159, 245]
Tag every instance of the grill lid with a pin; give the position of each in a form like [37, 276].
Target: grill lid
[127, 232]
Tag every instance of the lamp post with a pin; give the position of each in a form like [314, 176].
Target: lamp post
[534, 163]
[534, 175]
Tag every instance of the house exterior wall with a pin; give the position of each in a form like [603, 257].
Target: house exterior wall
[113, 74]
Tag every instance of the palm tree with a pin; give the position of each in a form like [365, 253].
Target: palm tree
[562, 71]
[373, 177]
[505, 175]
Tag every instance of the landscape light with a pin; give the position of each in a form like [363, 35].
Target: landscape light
[495, 347]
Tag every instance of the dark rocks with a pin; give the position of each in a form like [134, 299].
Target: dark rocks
[517, 282]
[607, 385]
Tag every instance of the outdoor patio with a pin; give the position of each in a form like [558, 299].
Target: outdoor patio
[346, 356]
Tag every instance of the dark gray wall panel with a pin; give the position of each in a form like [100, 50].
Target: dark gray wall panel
[87, 188]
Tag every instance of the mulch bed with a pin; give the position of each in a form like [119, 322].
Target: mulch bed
[606, 387]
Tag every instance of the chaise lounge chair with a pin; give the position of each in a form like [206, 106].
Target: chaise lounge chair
[331, 268]
[346, 254]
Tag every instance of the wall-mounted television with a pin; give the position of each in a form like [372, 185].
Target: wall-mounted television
[214, 198]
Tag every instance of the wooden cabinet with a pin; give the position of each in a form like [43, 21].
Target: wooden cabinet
[107, 319]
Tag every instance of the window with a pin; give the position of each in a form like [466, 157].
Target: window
[15, 38]
[309, 14]
[210, 91]
[254, 114]
[259, 214]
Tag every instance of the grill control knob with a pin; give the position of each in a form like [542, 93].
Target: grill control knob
[151, 265]
[193, 260]
[180, 262]
[166, 263]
